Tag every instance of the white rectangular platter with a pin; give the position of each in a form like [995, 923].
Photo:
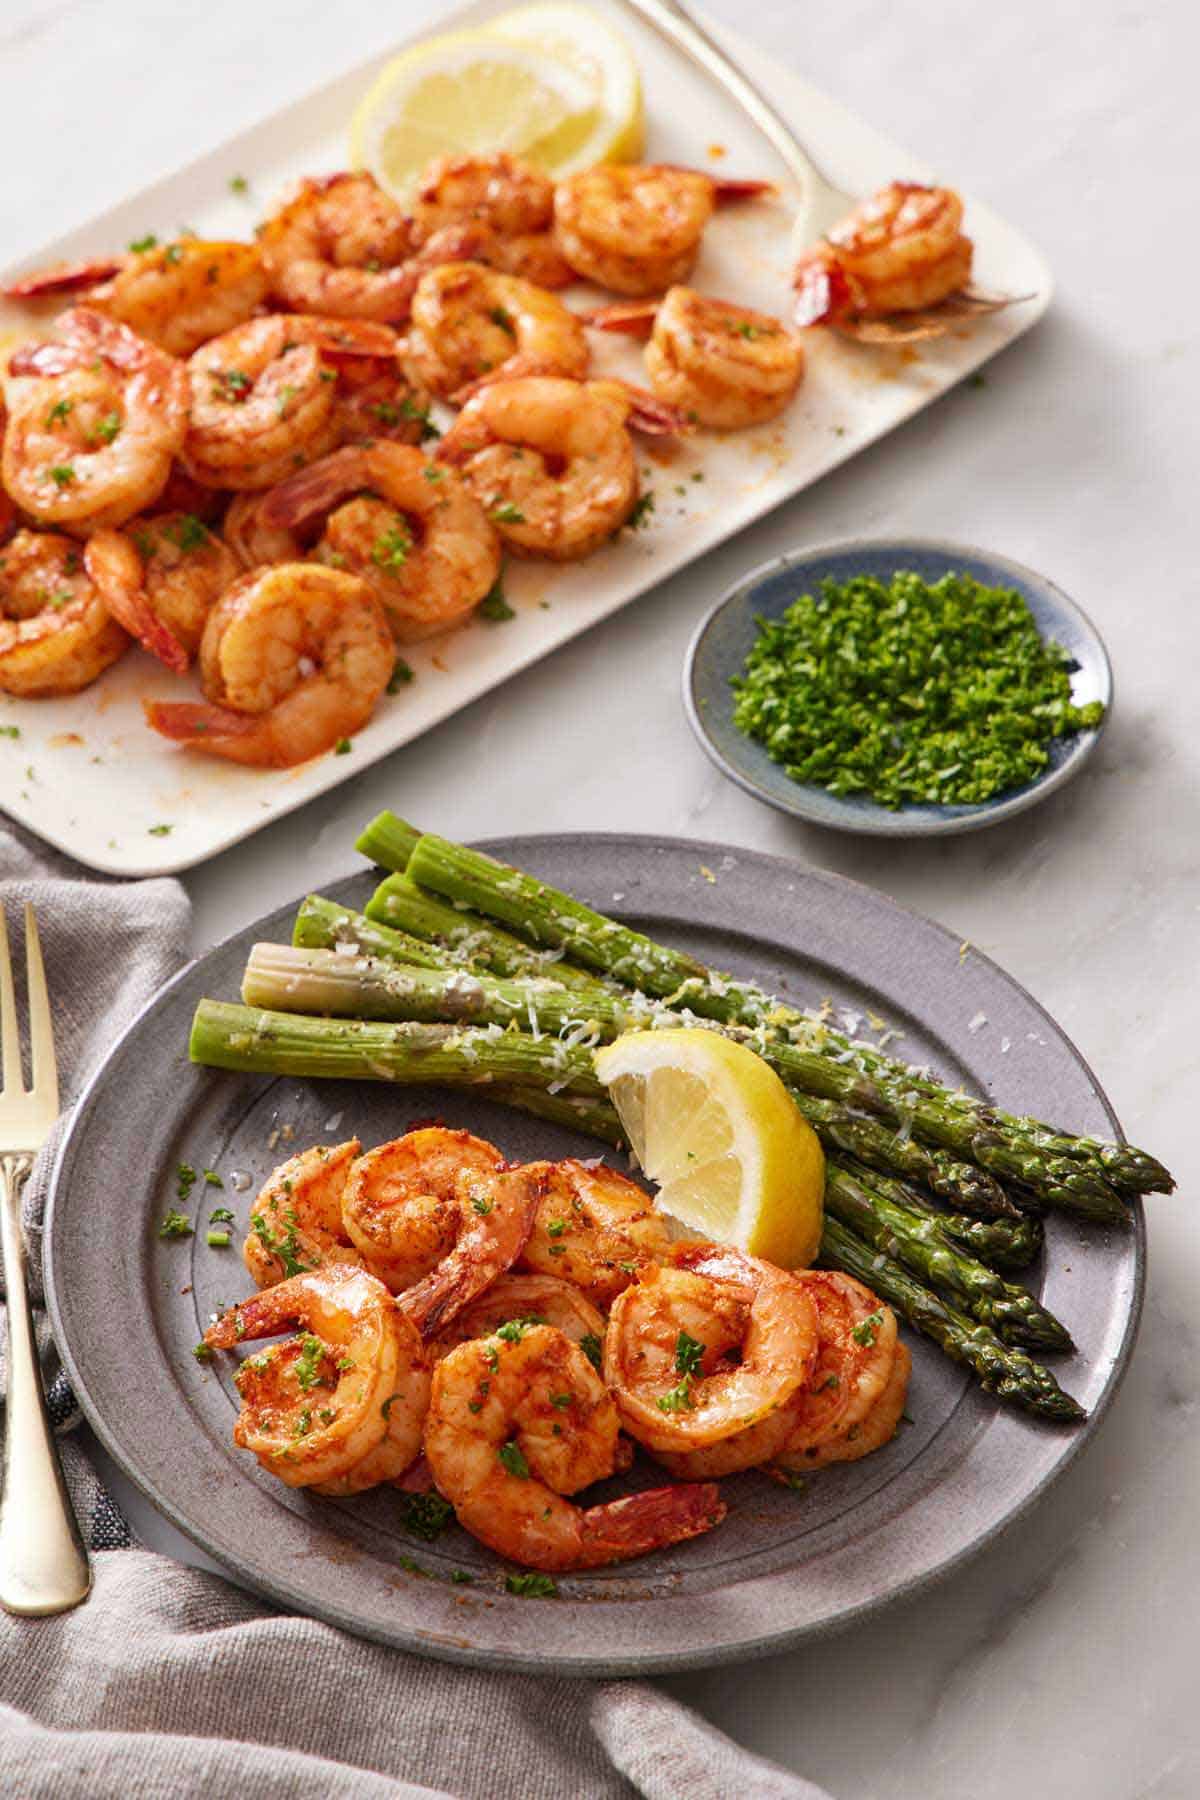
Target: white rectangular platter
[87, 774]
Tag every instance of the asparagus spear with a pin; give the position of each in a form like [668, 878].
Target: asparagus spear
[1001, 1243]
[397, 902]
[388, 841]
[1000, 1368]
[1011, 1312]
[324, 925]
[295, 980]
[257, 1042]
[998, 1142]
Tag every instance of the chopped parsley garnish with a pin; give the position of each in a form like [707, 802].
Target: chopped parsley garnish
[494, 607]
[908, 692]
[512, 1331]
[140, 245]
[410, 410]
[61, 474]
[187, 533]
[391, 548]
[286, 393]
[562, 1401]
[343, 747]
[500, 315]
[797, 1483]
[481, 1206]
[172, 253]
[221, 1215]
[688, 1353]
[386, 1408]
[385, 412]
[10, 731]
[532, 1586]
[106, 429]
[592, 1348]
[303, 1424]
[401, 676]
[159, 830]
[229, 383]
[460, 1577]
[425, 1516]
[431, 472]
[678, 1398]
[175, 1225]
[640, 515]
[556, 1227]
[284, 1249]
[185, 1180]
[308, 1363]
[58, 412]
[867, 1330]
[202, 1353]
[212, 1179]
[238, 184]
[508, 513]
[510, 1455]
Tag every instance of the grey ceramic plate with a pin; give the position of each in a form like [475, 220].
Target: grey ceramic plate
[127, 1308]
[725, 637]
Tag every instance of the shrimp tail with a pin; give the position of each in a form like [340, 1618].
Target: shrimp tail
[64, 277]
[312, 491]
[726, 188]
[262, 1315]
[42, 360]
[199, 722]
[113, 564]
[634, 318]
[823, 291]
[648, 1521]
[513, 368]
[654, 417]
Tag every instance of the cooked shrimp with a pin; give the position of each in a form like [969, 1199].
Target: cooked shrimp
[160, 578]
[723, 364]
[899, 251]
[518, 1421]
[877, 1427]
[293, 660]
[174, 295]
[253, 540]
[438, 1217]
[593, 1227]
[513, 201]
[636, 228]
[344, 248]
[551, 460]
[382, 399]
[314, 1407]
[468, 321]
[419, 538]
[56, 634]
[264, 398]
[710, 1351]
[527, 1300]
[296, 1219]
[92, 432]
[855, 1357]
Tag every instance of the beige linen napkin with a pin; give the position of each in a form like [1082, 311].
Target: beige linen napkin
[170, 1683]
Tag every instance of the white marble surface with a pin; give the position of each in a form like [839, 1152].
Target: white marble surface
[1063, 1660]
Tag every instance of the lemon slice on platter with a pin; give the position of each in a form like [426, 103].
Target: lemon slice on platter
[587, 43]
[473, 92]
[714, 1127]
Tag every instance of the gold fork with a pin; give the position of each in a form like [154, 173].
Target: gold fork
[43, 1564]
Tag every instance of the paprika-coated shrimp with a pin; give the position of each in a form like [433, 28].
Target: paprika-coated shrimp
[160, 578]
[56, 633]
[313, 1409]
[877, 1427]
[512, 201]
[342, 247]
[94, 424]
[724, 365]
[469, 320]
[419, 537]
[898, 251]
[856, 1353]
[293, 660]
[530, 1300]
[699, 1352]
[551, 460]
[593, 1227]
[636, 228]
[296, 1218]
[174, 295]
[438, 1217]
[253, 540]
[516, 1422]
[263, 396]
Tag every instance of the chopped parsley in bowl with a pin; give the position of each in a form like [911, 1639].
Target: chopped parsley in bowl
[898, 687]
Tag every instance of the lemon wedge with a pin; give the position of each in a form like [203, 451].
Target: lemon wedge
[466, 94]
[714, 1127]
[586, 42]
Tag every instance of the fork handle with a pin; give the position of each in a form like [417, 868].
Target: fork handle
[674, 22]
[43, 1564]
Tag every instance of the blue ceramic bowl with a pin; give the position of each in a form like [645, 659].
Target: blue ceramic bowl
[724, 639]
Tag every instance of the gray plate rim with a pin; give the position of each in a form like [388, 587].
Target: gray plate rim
[628, 1657]
[862, 818]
